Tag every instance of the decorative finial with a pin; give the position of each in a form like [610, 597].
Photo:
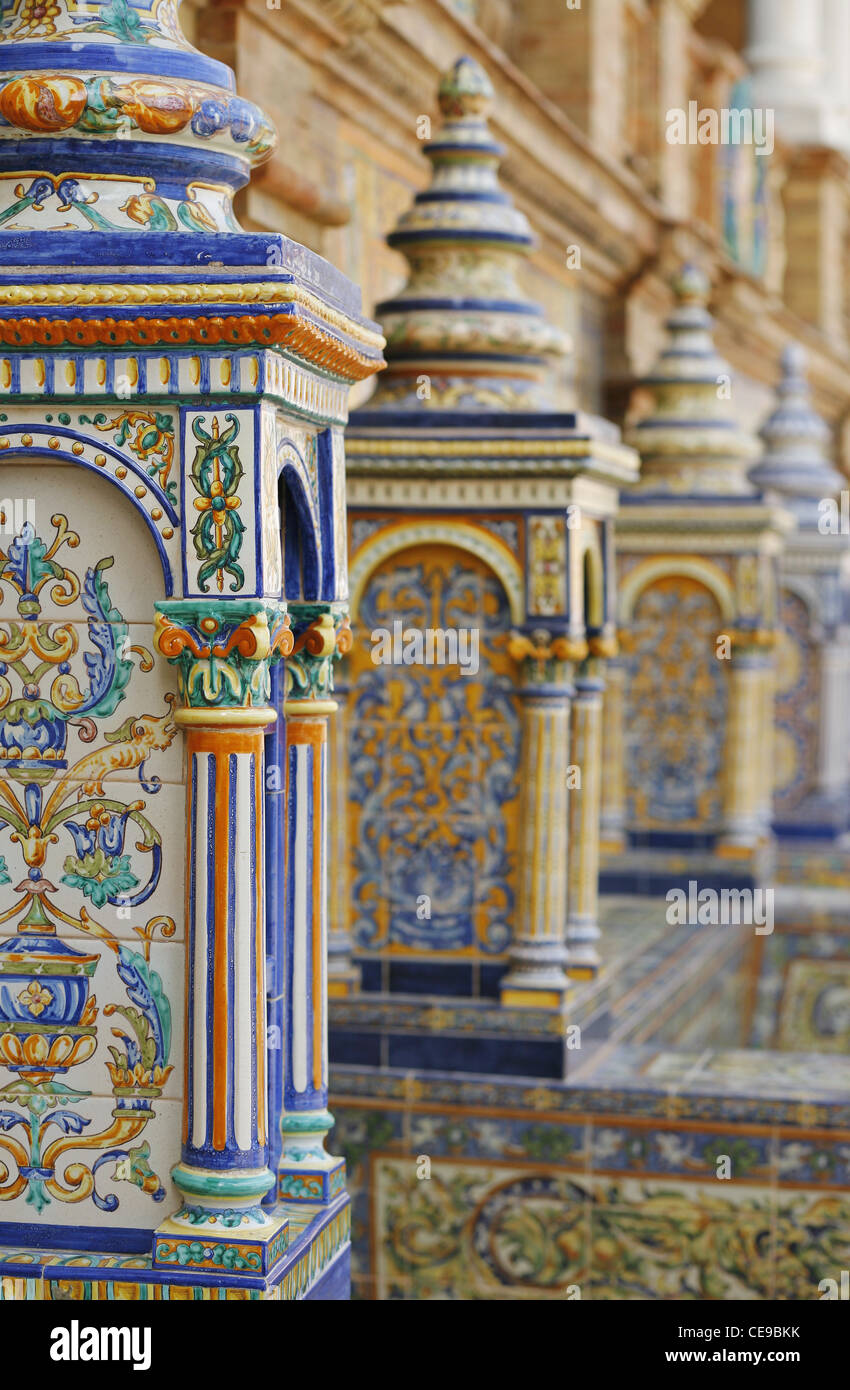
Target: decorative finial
[153, 131]
[465, 90]
[795, 462]
[691, 285]
[461, 335]
[690, 442]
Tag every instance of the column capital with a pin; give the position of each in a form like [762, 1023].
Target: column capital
[603, 645]
[546, 659]
[321, 634]
[223, 650]
[750, 642]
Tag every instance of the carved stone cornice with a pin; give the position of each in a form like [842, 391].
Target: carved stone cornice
[353, 16]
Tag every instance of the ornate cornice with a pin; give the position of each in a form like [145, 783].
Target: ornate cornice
[310, 329]
[321, 635]
[294, 333]
[262, 292]
[582, 455]
[222, 650]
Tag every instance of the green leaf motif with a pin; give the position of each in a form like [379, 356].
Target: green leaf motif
[99, 876]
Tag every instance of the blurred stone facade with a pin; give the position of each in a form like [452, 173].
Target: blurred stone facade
[711, 1044]
[582, 101]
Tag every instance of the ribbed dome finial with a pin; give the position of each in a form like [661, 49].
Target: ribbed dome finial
[690, 443]
[795, 462]
[461, 334]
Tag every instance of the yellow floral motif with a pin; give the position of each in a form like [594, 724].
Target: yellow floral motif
[35, 15]
[35, 998]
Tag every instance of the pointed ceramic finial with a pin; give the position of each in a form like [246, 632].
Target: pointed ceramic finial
[796, 462]
[461, 335]
[690, 442]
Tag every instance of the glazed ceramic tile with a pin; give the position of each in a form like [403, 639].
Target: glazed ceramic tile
[94, 1167]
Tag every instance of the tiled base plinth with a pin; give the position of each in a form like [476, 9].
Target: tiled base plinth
[314, 1266]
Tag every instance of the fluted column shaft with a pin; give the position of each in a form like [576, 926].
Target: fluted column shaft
[223, 652]
[306, 1172]
[612, 815]
[767, 774]
[585, 802]
[343, 975]
[743, 823]
[833, 736]
[538, 953]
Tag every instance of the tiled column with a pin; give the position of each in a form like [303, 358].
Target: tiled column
[538, 954]
[743, 825]
[306, 1172]
[767, 775]
[833, 727]
[584, 806]
[790, 68]
[613, 796]
[343, 975]
[275, 797]
[223, 651]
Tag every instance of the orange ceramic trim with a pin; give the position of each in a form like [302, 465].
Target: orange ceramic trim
[224, 740]
[300, 335]
[313, 731]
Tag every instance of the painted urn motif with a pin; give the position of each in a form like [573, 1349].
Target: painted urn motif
[46, 1015]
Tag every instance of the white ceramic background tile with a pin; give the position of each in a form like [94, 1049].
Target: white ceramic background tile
[166, 812]
[106, 524]
[136, 1207]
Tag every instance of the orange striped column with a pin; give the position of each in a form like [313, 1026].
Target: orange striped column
[223, 654]
[306, 1172]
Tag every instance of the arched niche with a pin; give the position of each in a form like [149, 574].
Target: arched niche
[474, 540]
[694, 567]
[300, 526]
[434, 757]
[675, 700]
[92, 818]
[798, 699]
[593, 579]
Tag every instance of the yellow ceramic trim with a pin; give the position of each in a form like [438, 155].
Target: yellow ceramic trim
[668, 566]
[302, 707]
[535, 998]
[228, 717]
[489, 448]
[461, 534]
